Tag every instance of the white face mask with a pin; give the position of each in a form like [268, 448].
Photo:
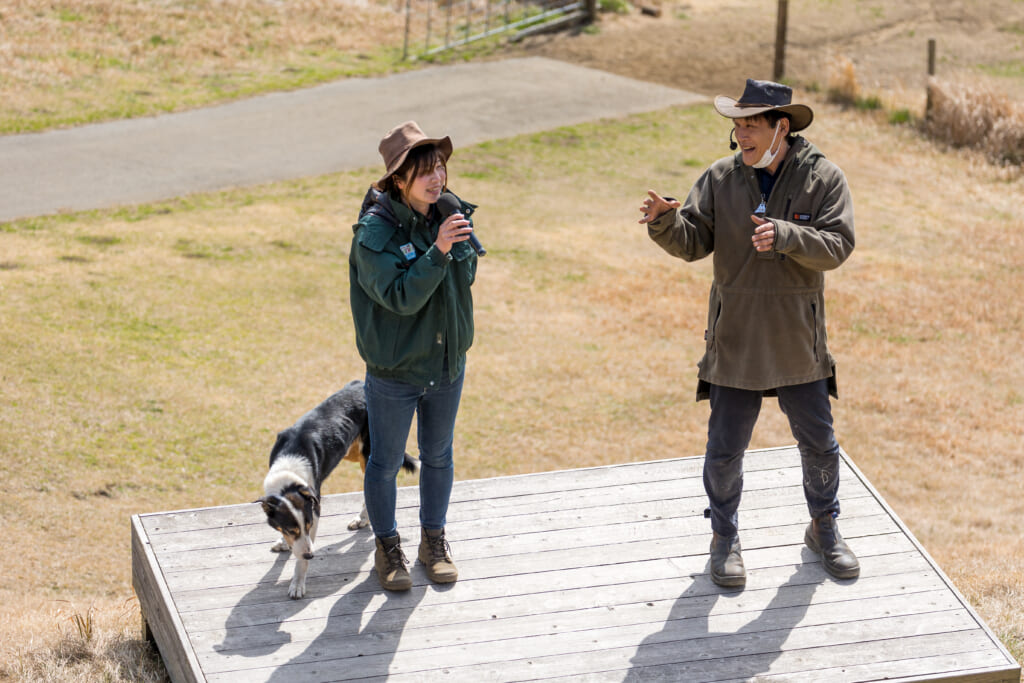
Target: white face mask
[767, 158]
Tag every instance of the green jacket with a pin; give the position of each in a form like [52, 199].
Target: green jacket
[766, 316]
[411, 304]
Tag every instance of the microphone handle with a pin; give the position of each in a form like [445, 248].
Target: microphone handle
[477, 247]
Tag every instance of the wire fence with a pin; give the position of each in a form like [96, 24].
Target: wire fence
[432, 26]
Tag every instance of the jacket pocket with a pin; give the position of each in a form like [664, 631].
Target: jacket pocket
[814, 324]
[714, 316]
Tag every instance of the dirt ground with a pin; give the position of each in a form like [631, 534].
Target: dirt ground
[712, 46]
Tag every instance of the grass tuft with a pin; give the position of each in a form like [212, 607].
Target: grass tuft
[977, 116]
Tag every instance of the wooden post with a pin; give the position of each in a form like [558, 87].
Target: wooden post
[405, 41]
[780, 41]
[928, 85]
[591, 11]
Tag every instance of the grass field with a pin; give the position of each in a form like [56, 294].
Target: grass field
[150, 354]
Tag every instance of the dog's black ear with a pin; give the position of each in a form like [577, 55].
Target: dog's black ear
[269, 504]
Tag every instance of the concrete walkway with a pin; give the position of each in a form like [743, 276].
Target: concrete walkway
[324, 129]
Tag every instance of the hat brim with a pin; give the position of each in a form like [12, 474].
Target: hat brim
[800, 114]
[443, 144]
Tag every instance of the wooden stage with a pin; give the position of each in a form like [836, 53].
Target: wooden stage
[595, 574]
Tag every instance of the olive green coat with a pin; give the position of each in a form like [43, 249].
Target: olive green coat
[766, 316]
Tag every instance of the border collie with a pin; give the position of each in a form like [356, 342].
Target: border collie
[300, 461]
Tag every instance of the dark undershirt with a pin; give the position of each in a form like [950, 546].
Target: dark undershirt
[765, 181]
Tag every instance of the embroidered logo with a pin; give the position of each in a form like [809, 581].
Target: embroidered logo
[801, 216]
[409, 251]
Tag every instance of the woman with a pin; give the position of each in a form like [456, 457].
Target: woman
[410, 273]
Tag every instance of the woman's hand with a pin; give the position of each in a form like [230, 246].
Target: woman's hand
[454, 229]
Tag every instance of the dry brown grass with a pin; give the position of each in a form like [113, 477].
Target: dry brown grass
[843, 85]
[100, 642]
[976, 115]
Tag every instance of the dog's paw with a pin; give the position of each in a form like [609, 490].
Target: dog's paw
[297, 589]
[358, 523]
[280, 547]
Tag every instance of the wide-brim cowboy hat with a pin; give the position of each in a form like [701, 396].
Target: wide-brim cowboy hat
[401, 140]
[761, 96]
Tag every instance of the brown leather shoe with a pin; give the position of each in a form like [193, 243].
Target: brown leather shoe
[389, 561]
[823, 537]
[436, 555]
[726, 562]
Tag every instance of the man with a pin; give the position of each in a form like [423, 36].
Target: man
[775, 216]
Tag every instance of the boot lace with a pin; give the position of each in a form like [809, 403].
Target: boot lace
[395, 557]
[440, 551]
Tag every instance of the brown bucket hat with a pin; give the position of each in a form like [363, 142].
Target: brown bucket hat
[761, 96]
[402, 139]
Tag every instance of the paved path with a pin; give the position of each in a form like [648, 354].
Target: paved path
[325, 129]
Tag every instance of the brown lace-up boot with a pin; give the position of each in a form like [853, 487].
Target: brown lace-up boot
[436, 556]
[389, 561]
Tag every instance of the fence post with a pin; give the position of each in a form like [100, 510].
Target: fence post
[928, 85]
[591, 10]
[405, 41]
[780, 41]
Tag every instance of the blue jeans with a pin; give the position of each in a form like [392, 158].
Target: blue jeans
[390, 406]
[733, 415]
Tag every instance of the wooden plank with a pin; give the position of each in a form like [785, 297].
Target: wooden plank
[711, 658]
[229, 632]
[216, 549]
[584, 574]
[158, 611]
[621, 623]
[334, 566]
[766, 469]
[932, 654]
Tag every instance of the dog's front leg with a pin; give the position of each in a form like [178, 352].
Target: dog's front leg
[281, 546]
[297, 589]
[360, 522]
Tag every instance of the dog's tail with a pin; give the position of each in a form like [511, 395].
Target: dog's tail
[410, 464]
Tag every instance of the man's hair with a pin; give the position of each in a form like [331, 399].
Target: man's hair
[419, 160]
[773, 116]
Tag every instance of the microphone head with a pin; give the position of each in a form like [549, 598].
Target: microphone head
[448, 204]
[732, 143]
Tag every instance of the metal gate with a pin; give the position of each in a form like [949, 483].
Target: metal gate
[432, 26]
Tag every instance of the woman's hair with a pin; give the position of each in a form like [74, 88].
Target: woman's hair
[419, 160]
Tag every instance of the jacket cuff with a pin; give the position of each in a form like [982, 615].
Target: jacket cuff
[662, 222]
[783, 232]
[437, 257]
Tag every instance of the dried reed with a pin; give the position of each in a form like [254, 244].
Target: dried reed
[975, 115]
[843, 87]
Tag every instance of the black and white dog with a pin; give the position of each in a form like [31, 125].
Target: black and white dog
[300, 461]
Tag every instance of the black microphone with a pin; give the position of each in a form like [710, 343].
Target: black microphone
[448, 204]
[732, 143]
